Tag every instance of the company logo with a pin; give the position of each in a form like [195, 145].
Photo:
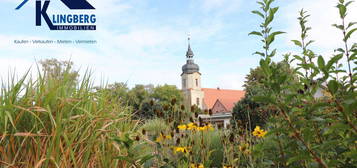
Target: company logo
[65, 21]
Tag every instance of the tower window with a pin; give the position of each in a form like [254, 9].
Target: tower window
[197, 82]
[184, 83]
[198, 101]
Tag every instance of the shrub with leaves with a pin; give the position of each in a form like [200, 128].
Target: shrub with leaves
[310, 131]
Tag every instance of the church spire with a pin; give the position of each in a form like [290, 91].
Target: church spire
[189, 53]
[190, 67]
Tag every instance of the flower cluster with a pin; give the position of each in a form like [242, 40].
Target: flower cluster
[193, 126]
[227, 166]
[181, 149]
[244, 148]
[163, 137]
[260, 133]
[192, 165]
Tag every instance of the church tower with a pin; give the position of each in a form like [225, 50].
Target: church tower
[191, 81]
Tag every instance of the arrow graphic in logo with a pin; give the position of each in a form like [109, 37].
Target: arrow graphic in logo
[63, 21]
[71, 4]
[22, 4]
[77, 4]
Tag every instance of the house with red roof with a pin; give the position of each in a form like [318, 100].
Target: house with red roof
[219, 102]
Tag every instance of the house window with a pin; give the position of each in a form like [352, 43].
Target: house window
[197, 82]
[198, 101]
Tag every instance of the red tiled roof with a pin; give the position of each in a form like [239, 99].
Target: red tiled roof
[227, 97]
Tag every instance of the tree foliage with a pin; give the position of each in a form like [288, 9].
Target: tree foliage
[57, 69]
[248, 113]
[145, 100]
[310, 131]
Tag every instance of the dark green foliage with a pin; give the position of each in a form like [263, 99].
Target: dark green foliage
[147, 101]
[248, 112]
[310, 130]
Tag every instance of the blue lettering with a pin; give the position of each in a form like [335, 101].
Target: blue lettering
[75, 18]
[93, 19]
[62, 19]
[81, 18]
[69, 19]
[86, 18]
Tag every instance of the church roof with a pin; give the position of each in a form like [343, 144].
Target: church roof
[190, 67]
[227, 97]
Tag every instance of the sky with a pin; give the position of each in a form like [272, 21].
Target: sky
[145, 41]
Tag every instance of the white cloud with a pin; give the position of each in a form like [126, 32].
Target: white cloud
[220, 6]
[140, 54]
[11, 66]
[323, 15]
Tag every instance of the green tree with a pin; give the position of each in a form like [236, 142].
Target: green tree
[249, 113]
[119, 92]
[138, 95]
[166, 93]
[56, 69]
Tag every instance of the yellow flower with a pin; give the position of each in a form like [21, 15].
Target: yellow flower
[168, 137]
[191, 126]
[205, 128]
[159, 138]
[244, 148]
[228, 166]
[182, 127]
[259, 132]
[209, 127]
[196, 165]
[180, 149]
[163, 137]
[201, 128]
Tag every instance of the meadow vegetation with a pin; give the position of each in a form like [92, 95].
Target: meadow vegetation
[59, 119]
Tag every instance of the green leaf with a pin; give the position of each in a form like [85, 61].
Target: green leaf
[348, 3]
[340, 50]
[298, 58]
[282, 79]
[348, 35]
[338, 127]
[317, 106]
[271, 37]
[333, 60]
[146, 158]
[272, 53]
[264, 99]
[270, 17]
[338, 26]
[342, 9]
[308, 43]
[125, 158]
[321, 62]
[351, 24]
[302, 156]
[256, 33]
[332, 86]
[265, 67]
[258, 13]
[259, 53]
[296, 42]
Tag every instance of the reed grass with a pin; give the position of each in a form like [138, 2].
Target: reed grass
[52, 121]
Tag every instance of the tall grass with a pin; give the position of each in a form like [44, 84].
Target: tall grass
[53, 121]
